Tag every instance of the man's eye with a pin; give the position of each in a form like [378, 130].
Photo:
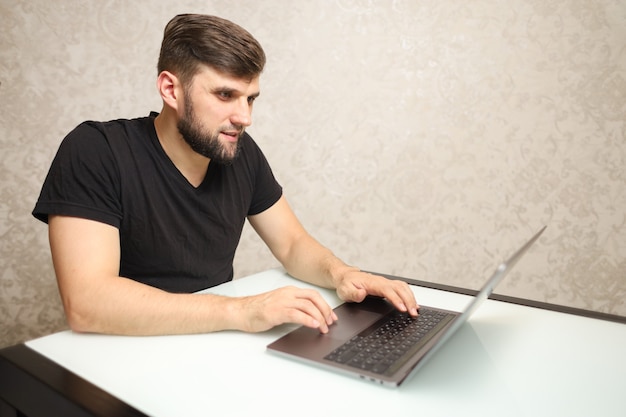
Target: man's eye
[251, 100]
[225, 95]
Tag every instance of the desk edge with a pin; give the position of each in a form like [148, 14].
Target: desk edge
[512, 300]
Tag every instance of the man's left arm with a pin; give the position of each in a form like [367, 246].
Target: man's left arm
[306, 259]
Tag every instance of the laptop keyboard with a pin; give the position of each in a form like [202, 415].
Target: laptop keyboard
[383, 347]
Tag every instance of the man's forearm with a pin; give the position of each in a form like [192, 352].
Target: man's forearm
[310, 261]
[125, 307]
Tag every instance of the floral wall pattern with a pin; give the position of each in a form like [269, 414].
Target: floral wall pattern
[426, 139]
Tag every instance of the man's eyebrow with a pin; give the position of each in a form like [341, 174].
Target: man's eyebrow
[226, 89]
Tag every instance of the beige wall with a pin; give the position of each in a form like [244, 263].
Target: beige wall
[420, 138]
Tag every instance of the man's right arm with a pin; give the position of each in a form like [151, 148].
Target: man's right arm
[86, 257]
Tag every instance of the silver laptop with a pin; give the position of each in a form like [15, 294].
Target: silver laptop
[373, 341]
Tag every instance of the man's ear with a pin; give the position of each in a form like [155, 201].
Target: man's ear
[170, 89]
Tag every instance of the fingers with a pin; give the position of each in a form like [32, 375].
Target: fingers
[289, 305]
[308, 308]
[355, 286]
[401, 296]
[311, 310]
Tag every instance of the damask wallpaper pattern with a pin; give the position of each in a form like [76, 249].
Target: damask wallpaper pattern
[426, 139]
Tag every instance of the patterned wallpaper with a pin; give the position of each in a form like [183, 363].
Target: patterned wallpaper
[419, 138]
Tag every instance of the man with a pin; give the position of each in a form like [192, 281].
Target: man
[142, 213]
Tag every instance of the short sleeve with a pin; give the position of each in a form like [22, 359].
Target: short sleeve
[267, 190]
[83, 180]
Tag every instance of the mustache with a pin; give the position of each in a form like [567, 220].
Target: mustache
[239, 130]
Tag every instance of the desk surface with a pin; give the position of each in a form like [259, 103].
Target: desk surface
[507, 360]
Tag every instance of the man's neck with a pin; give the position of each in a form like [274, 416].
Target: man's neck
[192, 165]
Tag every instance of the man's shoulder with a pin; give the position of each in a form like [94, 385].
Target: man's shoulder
[110, 131]
[116, 124]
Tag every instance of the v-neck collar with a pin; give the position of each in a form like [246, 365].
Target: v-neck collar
[180, 177]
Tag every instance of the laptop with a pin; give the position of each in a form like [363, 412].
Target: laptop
[373, 341]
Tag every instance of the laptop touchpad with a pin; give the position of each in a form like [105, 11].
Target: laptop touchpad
[355, 317]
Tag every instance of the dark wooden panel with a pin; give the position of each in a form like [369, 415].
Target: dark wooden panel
[38, 387]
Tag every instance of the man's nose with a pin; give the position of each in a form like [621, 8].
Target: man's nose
[242, 114]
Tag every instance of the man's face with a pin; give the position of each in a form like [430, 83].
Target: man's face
[216, 110]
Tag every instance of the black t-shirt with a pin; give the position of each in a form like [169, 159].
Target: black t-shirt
[173, 236]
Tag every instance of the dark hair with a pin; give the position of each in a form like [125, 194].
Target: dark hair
[190, 40]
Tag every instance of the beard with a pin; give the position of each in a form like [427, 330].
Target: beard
[206, 142]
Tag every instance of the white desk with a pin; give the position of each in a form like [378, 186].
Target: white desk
[508, 360]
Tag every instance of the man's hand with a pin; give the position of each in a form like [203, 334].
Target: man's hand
[306, 259]
[355, 285]
[285, 305]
